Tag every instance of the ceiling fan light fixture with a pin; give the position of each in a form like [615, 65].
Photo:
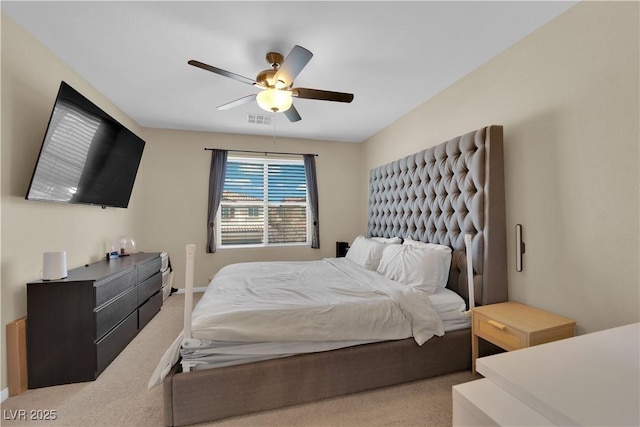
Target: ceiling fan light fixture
[274, 100]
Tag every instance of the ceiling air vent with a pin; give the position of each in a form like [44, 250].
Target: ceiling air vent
[259, 119]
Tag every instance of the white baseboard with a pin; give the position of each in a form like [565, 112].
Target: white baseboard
[4, 395]
[196, 290]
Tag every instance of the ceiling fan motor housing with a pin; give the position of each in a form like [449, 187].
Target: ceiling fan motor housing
[274, 59]
[266, 78]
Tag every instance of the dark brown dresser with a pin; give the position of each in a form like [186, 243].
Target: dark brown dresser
[76, 326]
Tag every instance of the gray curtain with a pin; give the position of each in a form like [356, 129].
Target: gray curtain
[216, 185]
[312, 189]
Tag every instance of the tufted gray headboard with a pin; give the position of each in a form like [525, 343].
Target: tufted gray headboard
[442, 193]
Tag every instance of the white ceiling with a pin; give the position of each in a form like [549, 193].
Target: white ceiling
[392, 56]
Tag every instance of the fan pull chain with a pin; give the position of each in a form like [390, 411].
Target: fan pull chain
[275, 118]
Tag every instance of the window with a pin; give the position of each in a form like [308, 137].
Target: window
[264, 203]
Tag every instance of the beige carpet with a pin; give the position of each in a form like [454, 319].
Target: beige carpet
[119, 397]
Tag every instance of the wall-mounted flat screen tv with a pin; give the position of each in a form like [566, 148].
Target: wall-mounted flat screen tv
[87, 157]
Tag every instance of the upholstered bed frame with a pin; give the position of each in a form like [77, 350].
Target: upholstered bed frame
[437, 195]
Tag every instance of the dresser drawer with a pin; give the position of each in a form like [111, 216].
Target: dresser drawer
[115, 341]
[498, 333]
[114, 286]
[149, 309]
[149, 287]
[149, 268]
[111, 314]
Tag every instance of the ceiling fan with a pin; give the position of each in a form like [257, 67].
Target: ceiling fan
[276, 84]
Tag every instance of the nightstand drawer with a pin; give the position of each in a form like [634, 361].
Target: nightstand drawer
[498, 333]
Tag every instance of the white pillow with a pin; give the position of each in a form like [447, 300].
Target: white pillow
[366, 252]
[423, 267]
[419, 244]
[388, 240]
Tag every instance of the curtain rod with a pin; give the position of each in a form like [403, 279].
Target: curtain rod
[259, 152]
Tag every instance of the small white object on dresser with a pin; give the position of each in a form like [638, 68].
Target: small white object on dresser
[588, 380]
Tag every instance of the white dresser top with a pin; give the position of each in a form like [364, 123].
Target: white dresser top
[588, 380]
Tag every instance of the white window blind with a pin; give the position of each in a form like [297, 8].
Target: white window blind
[264, 203]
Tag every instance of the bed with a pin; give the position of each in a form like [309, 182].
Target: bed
[438, 196]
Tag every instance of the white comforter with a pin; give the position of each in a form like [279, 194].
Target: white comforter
[327, 300]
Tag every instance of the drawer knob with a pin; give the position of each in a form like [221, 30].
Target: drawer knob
[497, 325]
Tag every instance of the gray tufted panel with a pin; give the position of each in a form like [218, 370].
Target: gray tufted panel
[442, 193]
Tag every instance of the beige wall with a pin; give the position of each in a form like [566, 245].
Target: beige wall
[30, 79]
[174, 192]
[567, 97]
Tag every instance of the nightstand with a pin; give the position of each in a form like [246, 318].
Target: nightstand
[341, 249]
[512, 326]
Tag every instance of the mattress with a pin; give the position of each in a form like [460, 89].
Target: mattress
[206, 354]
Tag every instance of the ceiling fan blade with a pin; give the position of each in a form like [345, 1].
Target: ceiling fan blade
[222, 72]
[292, 114]
[323, 95]
[292, 65]
[239, 101]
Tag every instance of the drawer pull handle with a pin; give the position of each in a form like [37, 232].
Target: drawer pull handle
[496, 325]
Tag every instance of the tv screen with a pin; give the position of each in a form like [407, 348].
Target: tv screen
[86, 157]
